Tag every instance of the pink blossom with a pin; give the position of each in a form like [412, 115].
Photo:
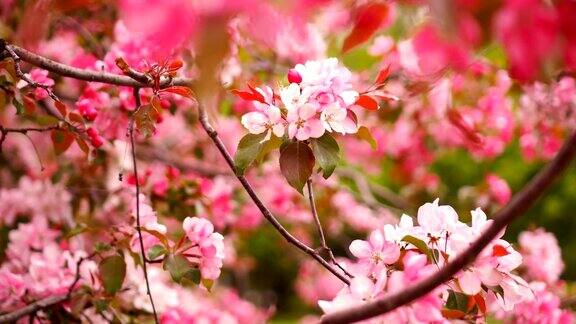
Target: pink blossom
[269, 121]
[377, 251]
[498, 189]
[542, 256]
[303, 123]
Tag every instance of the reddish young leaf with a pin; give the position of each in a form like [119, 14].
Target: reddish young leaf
[29, 105]
[456, 119]
[155, 102]
[367, 102]
[453, 314]
[369, 18]
[382, 76]
[183, 91]
[61, 108]
[499, 250]
[61, 140]
[481, 303]
[175, 65]
[76, 118]
[257, 95]
[82, 145]
[122, 65]
[384, 95]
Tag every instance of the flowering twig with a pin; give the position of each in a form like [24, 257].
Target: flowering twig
[47, 302]
[138, 228]
[124, 80]
[263, 209]
[324, 246]
[82, 74]
[514, 209]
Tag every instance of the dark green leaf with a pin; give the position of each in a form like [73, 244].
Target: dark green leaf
[19, 106]
[297, 163]
[112, 270]
[327, 153]
[177, 265]
[248, 149]
[191, 278]
[270, 145]
[156, 251]
[457, 301]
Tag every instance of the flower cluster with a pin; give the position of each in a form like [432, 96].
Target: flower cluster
[201, 234]
[397, 256]
[317, 100]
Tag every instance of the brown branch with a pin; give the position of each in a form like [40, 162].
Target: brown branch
[4, 131]
[514, 209]
[263, 209]
[138, 228]
[84, 74]
[324, 246]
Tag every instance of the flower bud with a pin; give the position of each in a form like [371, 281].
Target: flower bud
[294, 76]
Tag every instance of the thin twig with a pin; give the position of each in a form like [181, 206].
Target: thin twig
[138, 228]
[514, 209]
[320, 230]
[263, 209]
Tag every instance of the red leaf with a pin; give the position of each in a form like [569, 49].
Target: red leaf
[76, 118]
[82, 145]
[61, 140]
[61, 108]
[499, 250]
[384, 95]
[369, 18]
[472, 135]
[481, 303]
[382, 76]
[257, 95]
[179, 90]
[29, 105]
[175, 65]
[453, 314]
[367, 102]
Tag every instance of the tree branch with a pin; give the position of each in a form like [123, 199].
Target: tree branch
[263, 209]
[138, 228]
[83, 74]
[515, 208]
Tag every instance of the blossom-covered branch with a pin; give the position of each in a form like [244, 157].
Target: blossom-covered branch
[83, 74]
[516, 208]
[213, 134]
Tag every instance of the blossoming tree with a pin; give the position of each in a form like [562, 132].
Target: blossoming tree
[152, 151]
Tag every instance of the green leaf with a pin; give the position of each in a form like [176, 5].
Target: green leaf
[457, 301]
[192, 277]
[365, 134]
[327, 153]
[296, 164]
[112, 270]
[19, 106]
[102, 247]
[208, 283]
[248, 149]
[270, 145]
[61, 140]
[156, 251]
[78, 229]
[419, 244]
[177, 265]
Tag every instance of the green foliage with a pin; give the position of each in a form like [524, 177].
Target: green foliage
[113, 270]
[327, 153]
[248, 149]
